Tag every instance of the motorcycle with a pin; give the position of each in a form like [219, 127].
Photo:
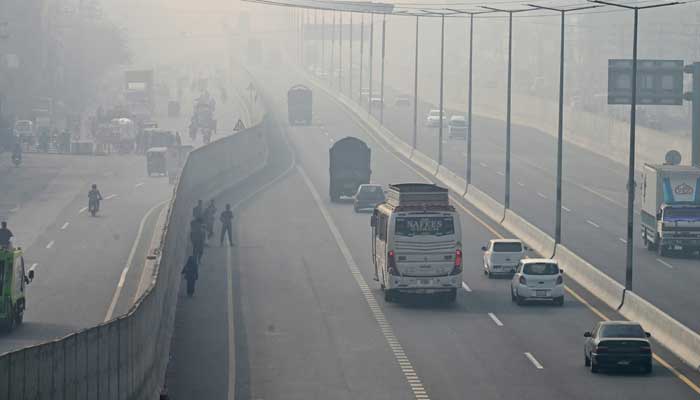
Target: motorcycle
[93, 206]
[17, 159]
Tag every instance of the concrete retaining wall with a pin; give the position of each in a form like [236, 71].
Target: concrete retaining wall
[533, 236]
[126, 358]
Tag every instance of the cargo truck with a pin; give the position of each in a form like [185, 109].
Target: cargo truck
[670, 216]
[349, 167]
[13, 283]
[299, 105]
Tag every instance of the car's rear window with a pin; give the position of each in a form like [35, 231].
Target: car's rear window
[458, 122]
[540, 269]
[621, 331]
[507, 247]
[371, 192]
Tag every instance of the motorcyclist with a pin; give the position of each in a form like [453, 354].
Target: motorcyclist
[17, 151]
[94, 197]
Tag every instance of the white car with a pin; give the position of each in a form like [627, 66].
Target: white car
[501, 256]
[538, 279]
[433, 118]
[457, 127]
[376, 100]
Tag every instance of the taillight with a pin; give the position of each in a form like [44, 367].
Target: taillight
[458, 263]
[601, 349]
[560, 280]
[391, 263]
[645, 349]
[522, 280]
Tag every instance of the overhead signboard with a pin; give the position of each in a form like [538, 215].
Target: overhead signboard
[659, 82]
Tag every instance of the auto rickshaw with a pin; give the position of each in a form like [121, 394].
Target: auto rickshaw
[156, 161]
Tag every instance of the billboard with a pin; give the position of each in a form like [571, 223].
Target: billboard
[659, 82]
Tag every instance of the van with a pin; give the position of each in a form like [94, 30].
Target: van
[501, 256]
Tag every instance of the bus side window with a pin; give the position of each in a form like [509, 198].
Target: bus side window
[382, 227]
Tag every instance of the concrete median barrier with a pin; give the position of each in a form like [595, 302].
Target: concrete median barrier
[599, 284]
[451, 180]
[426, 163]
[485, 203]
[675, 336]
[533, 236]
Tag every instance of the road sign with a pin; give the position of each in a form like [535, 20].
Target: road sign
[659, 82]
[239, 126]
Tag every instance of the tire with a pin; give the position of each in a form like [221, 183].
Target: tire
[559, 301]
[451, 296]
[388, 296]
[19, 318]
[586, 361]
[647, 369]
[594, 367]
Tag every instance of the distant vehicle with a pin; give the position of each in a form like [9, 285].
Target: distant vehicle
[417, 242]
[376, 100]
[364, 92]
[139, 91]
[156, 161]
[457, 127]
[433, 118]
[670, 216]
[350, 160]
[538, 279]
[617, 344]
[367, 197]
[402, 100]
[13, 282]
[300, 105]
[501, 256]
[24, 130]
[154, 137]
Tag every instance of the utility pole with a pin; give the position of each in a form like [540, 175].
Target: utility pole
[332, 71]
[442, 86]
[340, 55]
[381, 109]
[694, 97]
[560, 125]
[323, 41]
[631, 185]
[350, 70]
[371, 51]
[506, 201]
[362, 52]
[415, 90]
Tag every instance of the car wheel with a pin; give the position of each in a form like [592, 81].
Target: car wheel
[586, 361]
[647, 368]
[512, 295]
[559, 301]
[19, 317]
[388, 296]
[594, 367]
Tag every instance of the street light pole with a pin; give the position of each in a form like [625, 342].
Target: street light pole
[350, 70]
[415, 91]
[332, 71]
[442, 79]
[362, 52]
[381, 109]
[560, 124]
[631, 185]
[371, 53]
[323, 41]
[340, 55]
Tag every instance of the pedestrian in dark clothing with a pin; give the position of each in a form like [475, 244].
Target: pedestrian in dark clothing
[198, 210]
[226, 219]
[5, 236]
[209, 216]
[197, 236]
[191, 273]
[178, 139]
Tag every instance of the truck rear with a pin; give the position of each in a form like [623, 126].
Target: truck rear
[13, 282]
[349, 167]
[670, 215]
[299, 105]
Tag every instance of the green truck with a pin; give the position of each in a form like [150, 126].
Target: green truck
[14, 279]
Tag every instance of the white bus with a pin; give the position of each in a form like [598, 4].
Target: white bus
[417, 242]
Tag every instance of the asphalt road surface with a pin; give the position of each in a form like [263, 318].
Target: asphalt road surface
[292, 312]
[87, 269]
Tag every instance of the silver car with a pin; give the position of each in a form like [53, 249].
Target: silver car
[538, 279]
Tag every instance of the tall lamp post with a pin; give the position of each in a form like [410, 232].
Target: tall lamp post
[560, 124]
[506, 201]
[362, 53]
[381, 90]
[633, 121]
[415, 91]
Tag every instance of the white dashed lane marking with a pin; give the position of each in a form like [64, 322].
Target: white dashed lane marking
[82, 210]
[139, 184]
[534, 361]
[521, 184]
[566, 209]
[466, 287]
[483, 164]
[501, 173]
[64, 226]
[664, 263]
[111, 196]
[593, 224]
[399, 354]
[622, 240]
[33, 267]
[50, 245]
[495, 319]
[541, 195]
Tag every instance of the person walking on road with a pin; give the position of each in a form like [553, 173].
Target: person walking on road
[197, 237]
[191, 273]
[198, 210]
[209, 216]
[226, 219]
[5, 236]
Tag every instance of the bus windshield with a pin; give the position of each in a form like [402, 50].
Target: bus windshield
[430, 226]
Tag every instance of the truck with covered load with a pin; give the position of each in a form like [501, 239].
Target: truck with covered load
[670, 215]
[417, 242]
[349, 167]
[299, 105]
[14, 279]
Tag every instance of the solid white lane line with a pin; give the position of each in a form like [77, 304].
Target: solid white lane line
[534, 361]
[521, 184]
[377, 312]
[82, 210]
[111, 196]
[129, 261]
[664, 263]
[139, 184]
[64, 226]
[566, 209]
[593, 224]
[622, 240]
[541, 195]
[33, 267]
[495, 319]
[466, 287]
[50, 245]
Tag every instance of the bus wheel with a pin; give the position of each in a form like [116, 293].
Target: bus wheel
[451, 296]
[388, 296]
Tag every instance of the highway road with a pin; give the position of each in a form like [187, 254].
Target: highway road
[87, 269]
[292, 311]
[594, 198]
